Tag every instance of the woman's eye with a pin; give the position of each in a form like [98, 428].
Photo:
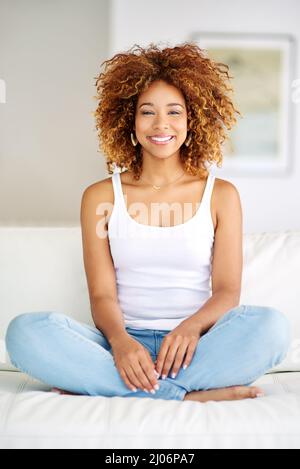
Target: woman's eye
[171, 112]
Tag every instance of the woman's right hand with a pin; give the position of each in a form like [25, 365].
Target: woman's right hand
[134, 363]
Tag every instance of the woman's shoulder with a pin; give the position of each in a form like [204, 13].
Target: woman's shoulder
[101, 190]
[224, 187]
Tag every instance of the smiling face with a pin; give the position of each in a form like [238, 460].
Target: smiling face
[164, 114]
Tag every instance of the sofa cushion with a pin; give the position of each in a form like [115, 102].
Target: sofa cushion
[270, 278]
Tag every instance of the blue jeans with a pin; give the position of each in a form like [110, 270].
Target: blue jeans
[242, 346]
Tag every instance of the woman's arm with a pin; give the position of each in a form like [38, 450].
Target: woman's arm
[98, 263]
[227, 264]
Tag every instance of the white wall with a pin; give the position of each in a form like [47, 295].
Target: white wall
[50, 52]
[269, 203]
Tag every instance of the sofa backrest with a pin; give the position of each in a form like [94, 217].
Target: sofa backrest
[41, 269]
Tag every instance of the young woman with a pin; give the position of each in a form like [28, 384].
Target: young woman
[154, 236]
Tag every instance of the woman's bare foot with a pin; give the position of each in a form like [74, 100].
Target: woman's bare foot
[232, 393]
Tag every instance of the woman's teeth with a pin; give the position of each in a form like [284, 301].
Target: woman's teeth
[161, 141]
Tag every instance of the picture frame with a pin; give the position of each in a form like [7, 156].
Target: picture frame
[261, 67]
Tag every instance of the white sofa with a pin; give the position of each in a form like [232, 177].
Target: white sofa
[41, 269]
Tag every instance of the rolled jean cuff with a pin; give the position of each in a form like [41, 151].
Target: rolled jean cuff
[180, 393]
[167, 391]
[172, 391]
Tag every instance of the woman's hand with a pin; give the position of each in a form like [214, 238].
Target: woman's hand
[134, 363]
[178, 348]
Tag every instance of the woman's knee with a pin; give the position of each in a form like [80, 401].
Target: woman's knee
[20, 328]
[277, 328]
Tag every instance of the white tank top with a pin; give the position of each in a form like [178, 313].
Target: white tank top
[163, 274]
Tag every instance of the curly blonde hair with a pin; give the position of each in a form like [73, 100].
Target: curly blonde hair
[203, 83]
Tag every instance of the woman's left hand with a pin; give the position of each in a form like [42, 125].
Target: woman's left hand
[178, 348]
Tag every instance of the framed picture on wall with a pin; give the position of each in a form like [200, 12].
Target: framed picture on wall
[262, 70]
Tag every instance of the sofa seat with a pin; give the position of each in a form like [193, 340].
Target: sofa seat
[31, 416]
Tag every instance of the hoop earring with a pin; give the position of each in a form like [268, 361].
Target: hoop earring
[134, 142]
[188, 141]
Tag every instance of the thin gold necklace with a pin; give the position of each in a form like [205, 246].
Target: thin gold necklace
[159, 187]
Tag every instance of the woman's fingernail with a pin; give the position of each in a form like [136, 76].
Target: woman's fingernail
[156, 387]
[134, 389]
[173, 375]
[152, 391]
[146, 390]
[164, 376]
[184, 367]
[260, 394]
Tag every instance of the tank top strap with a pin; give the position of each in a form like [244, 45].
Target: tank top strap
[208, 190]
[117, 186]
